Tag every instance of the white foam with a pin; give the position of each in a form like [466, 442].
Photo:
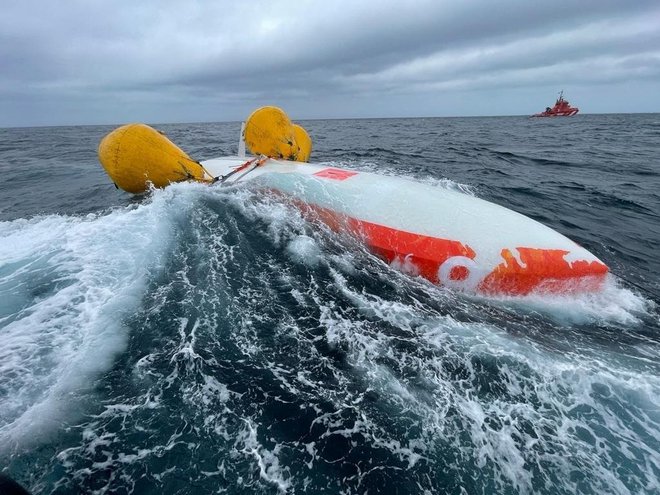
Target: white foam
[267, 460]
[550, 400]
[78, 278]
[611, 305]
[533, 419]
[305, 250]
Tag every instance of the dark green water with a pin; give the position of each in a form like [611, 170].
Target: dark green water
[209, 340]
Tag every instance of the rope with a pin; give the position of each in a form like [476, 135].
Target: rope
[256, 161]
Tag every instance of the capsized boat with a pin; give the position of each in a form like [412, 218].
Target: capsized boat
[449, 238]
[562, 108]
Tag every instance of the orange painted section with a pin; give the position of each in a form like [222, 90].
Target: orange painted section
[425, 253]
[543, 269]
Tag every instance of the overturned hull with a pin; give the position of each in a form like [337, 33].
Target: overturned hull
[447, 237]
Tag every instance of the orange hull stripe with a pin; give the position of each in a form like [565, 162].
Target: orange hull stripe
[541, 269]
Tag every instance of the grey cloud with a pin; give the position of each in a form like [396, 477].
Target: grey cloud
[197, 60]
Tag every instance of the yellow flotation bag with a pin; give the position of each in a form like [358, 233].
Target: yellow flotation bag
[269, 132]
[135, 155]
[303, 141]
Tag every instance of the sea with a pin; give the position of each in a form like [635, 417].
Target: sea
[208, 339]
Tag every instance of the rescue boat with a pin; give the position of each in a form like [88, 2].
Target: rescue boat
[562, 108]
[447, 237]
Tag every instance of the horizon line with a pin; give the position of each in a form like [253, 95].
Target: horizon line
[317, 118]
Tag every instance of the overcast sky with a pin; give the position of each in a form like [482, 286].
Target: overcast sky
[157, 61]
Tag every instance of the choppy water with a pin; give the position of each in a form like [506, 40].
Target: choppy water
[209, 340]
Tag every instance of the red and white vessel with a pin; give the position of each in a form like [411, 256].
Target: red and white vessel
[447, 237]
[562, 108]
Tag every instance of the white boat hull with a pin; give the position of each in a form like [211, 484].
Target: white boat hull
[449, 238]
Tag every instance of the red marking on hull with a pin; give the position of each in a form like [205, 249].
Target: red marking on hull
[335, 173]
[545, 270]
[426, 253]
